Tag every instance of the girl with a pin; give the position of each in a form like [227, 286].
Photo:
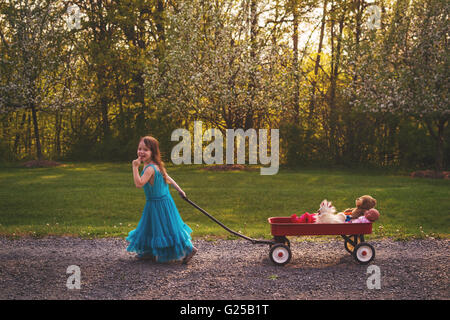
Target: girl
[161, 233]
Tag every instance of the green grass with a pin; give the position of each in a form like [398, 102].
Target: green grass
[100, 200]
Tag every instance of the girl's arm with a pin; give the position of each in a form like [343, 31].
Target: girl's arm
[176, 186]
[139, 181]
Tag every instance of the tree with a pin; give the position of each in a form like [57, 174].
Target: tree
[407, 71]
[216, 63]
[31, 35]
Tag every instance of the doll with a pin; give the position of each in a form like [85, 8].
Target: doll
[370, 216]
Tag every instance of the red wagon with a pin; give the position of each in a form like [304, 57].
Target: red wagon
[281, 227]
[352, 233]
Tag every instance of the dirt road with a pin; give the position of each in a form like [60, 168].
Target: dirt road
[223, 269]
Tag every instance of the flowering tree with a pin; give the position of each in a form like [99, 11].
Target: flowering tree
[31, 37]
[220, 65]
[406, 70]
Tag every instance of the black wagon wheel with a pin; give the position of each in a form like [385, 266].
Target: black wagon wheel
[280, 254]
[364, 253]
[349, 246]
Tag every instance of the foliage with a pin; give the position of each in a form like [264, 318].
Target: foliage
[407, 72]
[340, 92]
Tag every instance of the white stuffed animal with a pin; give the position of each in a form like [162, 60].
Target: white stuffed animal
[326, 214]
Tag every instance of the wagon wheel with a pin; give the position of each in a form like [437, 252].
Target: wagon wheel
[280, 254]
[363, 253]
[349, 246]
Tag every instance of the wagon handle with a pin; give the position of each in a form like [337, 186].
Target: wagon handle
[254, 241]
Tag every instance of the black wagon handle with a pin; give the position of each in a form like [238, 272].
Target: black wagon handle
[254, 241]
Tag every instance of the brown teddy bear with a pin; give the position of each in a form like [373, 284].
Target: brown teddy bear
[363, 204]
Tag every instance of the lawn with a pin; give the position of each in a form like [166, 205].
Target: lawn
[100, 200]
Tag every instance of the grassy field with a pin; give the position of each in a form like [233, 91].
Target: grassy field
[100, 200]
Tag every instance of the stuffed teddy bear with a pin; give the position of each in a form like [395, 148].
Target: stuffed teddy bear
[370, 216]
[363, 204]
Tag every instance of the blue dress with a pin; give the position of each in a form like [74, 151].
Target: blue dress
[161, 232]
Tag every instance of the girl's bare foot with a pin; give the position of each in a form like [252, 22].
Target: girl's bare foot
[190, 255]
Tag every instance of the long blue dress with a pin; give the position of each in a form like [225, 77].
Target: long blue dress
[160, 232]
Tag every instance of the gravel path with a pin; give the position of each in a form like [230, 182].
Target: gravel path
[223, 269]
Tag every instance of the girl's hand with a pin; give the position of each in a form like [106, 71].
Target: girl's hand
[182, 194]
[136, 163]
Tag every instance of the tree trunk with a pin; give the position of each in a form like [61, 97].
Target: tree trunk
[36, 132]
[312, 101]
[138, 39]
[104, 112]
[440, 165]
[351, 149]
[19, 131]
[161, 32]
[58, 120]
[101, 39]
[334, 73]
[296, 95]
[28, 137]
[252, 76]
[103, 99]
[440, 140]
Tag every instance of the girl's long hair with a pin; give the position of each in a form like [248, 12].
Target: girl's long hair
[153, 145]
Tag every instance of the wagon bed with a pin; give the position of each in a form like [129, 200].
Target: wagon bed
[282, 226]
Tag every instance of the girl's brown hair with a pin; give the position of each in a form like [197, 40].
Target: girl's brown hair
[153, 145]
